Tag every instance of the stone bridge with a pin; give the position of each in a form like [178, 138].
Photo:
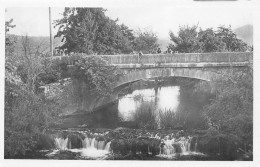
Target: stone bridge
[192, 65]
[203, 66]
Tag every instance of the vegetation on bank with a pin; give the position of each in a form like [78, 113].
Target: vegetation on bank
[27, 114]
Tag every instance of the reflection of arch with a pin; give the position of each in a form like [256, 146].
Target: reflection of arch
[196, 73]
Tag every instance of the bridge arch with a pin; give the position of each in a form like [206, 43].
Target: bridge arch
[196, 73]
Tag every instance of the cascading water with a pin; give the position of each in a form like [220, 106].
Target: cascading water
[196, 145]
[94, 148]
[96, 145]
[172, 146]
[61, 143]
[91, 147]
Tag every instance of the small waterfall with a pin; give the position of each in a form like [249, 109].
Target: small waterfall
[185, 144]
[94, 144]
[86, 143]
[196, 145]
[95, 148]
[168, 147]
[91, 147]
[172, 146]
[61, 143]
[93, 141]
[107, 147]
[101, 145]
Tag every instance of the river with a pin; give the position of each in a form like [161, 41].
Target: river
[171, 104]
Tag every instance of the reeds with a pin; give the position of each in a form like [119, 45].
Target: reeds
[167, 118]
[145, 116]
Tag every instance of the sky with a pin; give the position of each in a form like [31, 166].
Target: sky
[160, 18]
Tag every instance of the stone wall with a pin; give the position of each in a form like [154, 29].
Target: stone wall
[220, 57]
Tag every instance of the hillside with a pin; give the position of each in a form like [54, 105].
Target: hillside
[163, 43]
[245, 33]
[42, 43]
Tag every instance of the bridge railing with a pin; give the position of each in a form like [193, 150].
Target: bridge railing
[220, 57]
[226, 57]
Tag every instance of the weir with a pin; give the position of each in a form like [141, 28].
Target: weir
[91, 147]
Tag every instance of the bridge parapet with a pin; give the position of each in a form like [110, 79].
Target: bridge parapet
[219, 57]
[182, 58]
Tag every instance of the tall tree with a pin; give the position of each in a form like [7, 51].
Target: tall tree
[186, 40]
[189, 40]
[90, 31]
[210, 42]
[233, 44]
[145, 41]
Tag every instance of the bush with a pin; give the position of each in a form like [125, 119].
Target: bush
[231, 111]
[26, 117]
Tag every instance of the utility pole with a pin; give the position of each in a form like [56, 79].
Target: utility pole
[51, 44]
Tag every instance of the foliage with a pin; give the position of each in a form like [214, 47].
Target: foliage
[27, 114]
[189, 40]
[145, 42]
[91, 79]
[90, 31]
[8, 25]
[210, 42]
[231, 111]
[95, 72]
[186, 40]
[233, 44]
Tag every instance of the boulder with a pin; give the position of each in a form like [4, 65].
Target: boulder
[75, 141]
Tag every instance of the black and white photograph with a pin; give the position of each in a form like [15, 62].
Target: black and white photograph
[130, 81]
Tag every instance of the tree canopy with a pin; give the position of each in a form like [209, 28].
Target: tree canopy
[186, 40]
[90, 31]
[145, 42]
[190, 40]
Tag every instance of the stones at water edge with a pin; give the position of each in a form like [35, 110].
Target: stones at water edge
[136, 146]
[75, 141]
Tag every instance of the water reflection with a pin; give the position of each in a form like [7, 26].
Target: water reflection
[164, 98]
[174, 105]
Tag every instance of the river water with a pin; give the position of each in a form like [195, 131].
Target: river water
[154, 106]
[162, 98]
[175, 105]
